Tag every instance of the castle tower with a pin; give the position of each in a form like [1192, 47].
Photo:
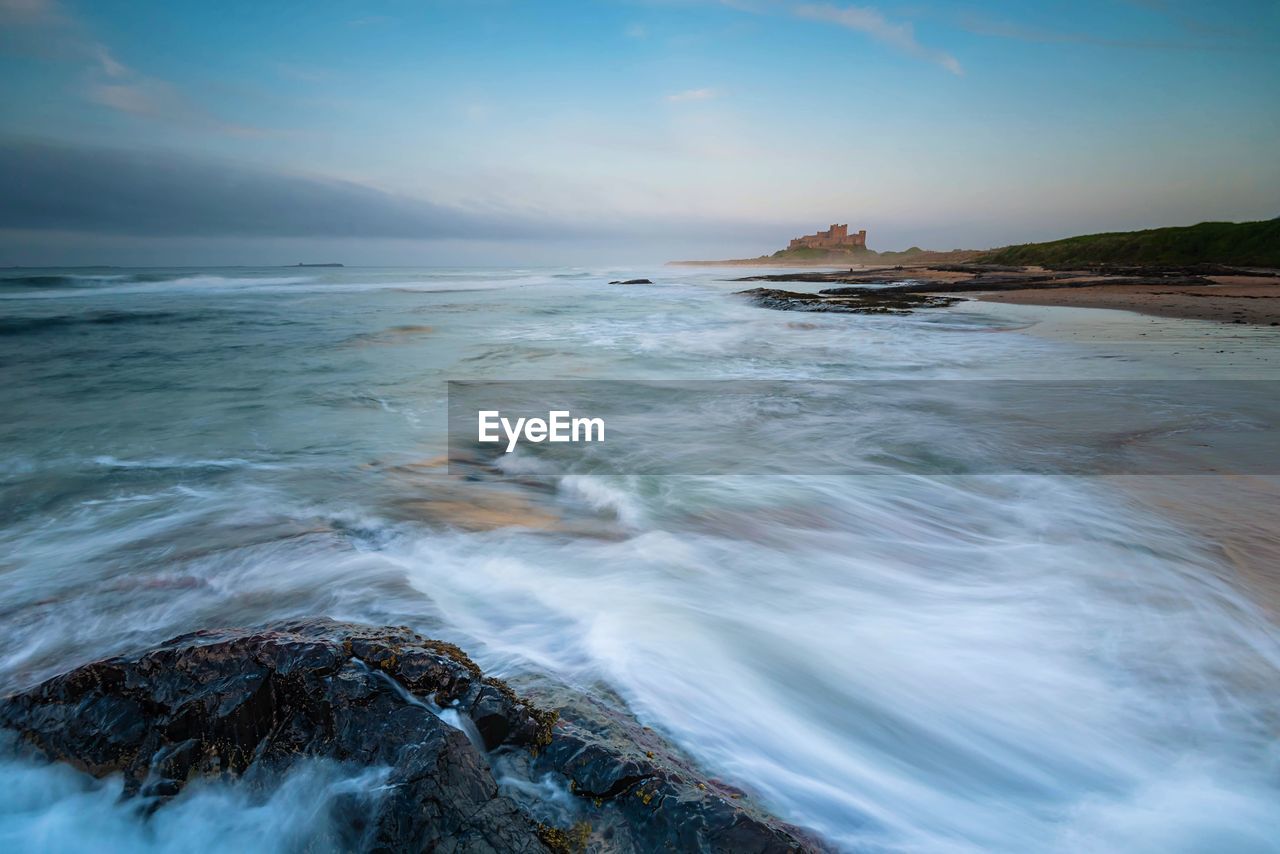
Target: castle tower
[837, 236]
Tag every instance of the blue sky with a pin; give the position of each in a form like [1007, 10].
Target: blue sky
[588, 132]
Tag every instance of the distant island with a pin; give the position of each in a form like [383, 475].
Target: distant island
[300, 264]
[1244, 244]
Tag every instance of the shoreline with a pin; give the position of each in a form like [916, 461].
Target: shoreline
[1232, 515]
[1229, 295]
[1229, 299]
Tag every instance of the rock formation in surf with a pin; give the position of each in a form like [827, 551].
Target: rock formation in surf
[251, 703]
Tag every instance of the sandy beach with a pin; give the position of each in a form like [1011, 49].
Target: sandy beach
[1216, 293]
[1233, 514]
[1230, 299]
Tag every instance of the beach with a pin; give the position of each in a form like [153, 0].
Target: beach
[1229, 299]
[1233, 513]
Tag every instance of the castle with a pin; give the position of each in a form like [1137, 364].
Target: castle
[835, 237]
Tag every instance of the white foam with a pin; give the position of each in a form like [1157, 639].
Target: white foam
[52, 808]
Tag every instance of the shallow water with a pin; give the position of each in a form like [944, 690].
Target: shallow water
[899, 662]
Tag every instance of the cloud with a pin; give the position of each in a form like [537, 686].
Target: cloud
[66, 203]
[115, 85]
[637, 31]
[692, 95]
[50, 186]
[42, 28]
[112, 84]
[871, 21]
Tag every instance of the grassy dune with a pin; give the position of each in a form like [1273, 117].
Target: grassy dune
[1244, 243]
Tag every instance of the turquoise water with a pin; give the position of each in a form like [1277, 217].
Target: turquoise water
[901, 663]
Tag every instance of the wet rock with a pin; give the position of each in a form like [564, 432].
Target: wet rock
[639, 793]
[252, 702]
[856, 301]
[971, 278]
[632, 282]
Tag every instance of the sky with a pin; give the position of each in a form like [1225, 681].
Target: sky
[167, 132]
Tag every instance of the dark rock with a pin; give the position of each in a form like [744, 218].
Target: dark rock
[254, 702]
[971, 278]
[642, 794]
[632, 282]
[849, 301]
[872, 274]
[251, 703]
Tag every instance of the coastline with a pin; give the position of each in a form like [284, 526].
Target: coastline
[657, 621]
[1230, 299]
[1223, 294]
[1231, 514]
[1234, 515]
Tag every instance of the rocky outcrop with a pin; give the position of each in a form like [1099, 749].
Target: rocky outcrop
[644, 795]
[254, 702]
[970, 278]
[237, 702]
[864, 301]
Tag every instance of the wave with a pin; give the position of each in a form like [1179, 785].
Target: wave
[46, 286]
[52, 281]
[108, 461]
[55, 808]
[35, 325]
[904, 664]
[51, 287]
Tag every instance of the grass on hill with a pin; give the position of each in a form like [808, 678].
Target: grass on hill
[867, 256]
[805, 253]
[1250, 244]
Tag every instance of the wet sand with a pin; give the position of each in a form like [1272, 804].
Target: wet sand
[1234, 515]
[1230, 299]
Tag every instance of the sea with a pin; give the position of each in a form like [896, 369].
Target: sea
[906, 660]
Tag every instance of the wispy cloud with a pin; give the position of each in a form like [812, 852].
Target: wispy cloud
[113, 84]
[865, 19]
[44, 28]
[111, 66]
[141, 98]
[692, 95]
[637, 31]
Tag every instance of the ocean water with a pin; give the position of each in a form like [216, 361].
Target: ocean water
[902, 663]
